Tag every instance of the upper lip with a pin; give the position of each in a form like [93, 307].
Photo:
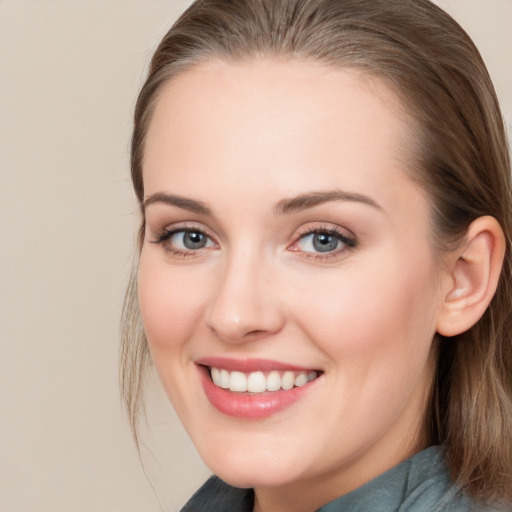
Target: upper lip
[249, 365]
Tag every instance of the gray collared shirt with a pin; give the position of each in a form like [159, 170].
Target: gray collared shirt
[419, 484]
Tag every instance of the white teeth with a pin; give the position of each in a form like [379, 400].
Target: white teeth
[224, 379]
[215, 373]
[301, 379]
[257, 382]
[237, 382]
[273, 381]
[288, 380]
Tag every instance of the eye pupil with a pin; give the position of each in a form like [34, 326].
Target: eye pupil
[325, 242]
[194, 240]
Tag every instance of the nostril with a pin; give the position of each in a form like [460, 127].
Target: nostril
[237, 315]
[256, 333]
[239, 336]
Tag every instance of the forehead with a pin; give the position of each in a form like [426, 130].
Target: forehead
[280, 125]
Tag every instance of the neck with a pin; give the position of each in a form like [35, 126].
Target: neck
[311, 495]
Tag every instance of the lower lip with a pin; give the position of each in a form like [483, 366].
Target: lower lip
[257, 406]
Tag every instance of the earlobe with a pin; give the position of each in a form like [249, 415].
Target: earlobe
[474, 273]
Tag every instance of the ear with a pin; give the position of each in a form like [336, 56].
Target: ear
[473, 273]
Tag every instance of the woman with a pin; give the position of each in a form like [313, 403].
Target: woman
[324, 274]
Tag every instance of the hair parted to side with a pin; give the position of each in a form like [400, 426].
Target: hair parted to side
[462, 161]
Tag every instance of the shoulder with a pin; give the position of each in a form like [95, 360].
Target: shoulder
[421, 483]
[431, 488]
[217, 496]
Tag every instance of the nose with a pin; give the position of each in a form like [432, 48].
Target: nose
[244, 306]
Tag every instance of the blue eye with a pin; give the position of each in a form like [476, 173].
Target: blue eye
[189, 240]
[324, 242]
[182, 241]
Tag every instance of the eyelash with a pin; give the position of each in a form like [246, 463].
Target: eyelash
[348, 242]
[163, 238]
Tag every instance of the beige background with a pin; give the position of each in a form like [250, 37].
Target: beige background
[69, 74]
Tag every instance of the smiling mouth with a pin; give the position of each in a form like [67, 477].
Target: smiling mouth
[260, 381]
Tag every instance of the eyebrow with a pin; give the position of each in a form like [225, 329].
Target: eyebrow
[311, 199]
[283, 207]
[181, 202]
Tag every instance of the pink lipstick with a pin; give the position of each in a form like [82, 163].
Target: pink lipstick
[254, 388]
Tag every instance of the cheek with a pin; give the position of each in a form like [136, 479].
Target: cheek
[369, 314]
[376, 328]
[169, 304]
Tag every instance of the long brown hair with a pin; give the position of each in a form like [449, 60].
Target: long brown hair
[461, 159]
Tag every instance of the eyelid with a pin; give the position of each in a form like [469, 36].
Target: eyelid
[346, 236]
[327, 227]
[163, 236]
[183, 226]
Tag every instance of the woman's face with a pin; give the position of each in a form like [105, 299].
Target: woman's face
[286, 247]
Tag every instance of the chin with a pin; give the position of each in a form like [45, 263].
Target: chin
[245, 468]
[250, 477]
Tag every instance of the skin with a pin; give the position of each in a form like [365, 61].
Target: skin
[240, 138]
